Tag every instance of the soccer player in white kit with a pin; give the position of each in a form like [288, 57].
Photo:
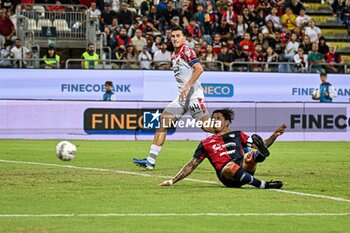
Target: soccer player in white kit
[187, 70]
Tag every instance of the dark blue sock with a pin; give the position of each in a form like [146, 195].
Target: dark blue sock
[244, 177]
[258, 158]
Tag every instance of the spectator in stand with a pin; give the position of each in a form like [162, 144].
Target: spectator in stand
[162, 58]
[300, 60]
[299, 34]
[239, 5]
[168, 14]
[122, 38]
[277, 44]
[148, 28]
[239, 29]
[296, 6]
[312, 31]
[115, 25]
[306, 44]
[7, 29]
[138, 41]
[315, 58]
[90, 58]
[94, 12]
[247, 17]
[332, 57]
[254, 32]
[345, 14]
[280, 4]
[131, 56]
[302, 19]
[239, 56]
[157, 44]
[257, 56]
[226, 57]
[247, 45]
[276, 20]
[252, 5]
[145, 7]
[217, 44]
[108, 15]
[264, 6]
[51, 59]
[145, 59]
[57, 7]
[289, 19]
[199, 16]
[20, 52]
[210, 59]
[290, 50]
[229, 16]
[154, 17]
[5, 53]
[132, 30]
[209, 20]
[260, 18]
[185, 15]
[322, 45]
[190, 42]
[9, 5]
[271, 56]
[124, 15]
[224, 30]
[263, 41]
[194, 29]
[269, 30]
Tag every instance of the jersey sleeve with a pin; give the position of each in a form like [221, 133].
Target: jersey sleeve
[190, 57]
[246, 140]
[200, 152]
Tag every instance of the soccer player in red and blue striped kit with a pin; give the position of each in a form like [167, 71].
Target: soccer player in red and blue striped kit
[225, 152]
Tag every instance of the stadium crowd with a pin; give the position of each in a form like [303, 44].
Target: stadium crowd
[219, 31]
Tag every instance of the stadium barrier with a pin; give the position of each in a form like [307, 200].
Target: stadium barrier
[126, 120]
[46, 20]
[153, 85]
[32, 63]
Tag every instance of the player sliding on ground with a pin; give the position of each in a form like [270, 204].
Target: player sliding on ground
[225, 152]
[187, 70]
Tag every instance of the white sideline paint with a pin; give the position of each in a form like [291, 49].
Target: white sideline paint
[174, 215]
[167, 177]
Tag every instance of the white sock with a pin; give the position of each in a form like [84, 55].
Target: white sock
[153, 153]
[263, 183]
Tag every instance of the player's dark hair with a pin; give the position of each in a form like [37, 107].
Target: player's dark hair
[228, 113]
[177, 28]
[109, 83]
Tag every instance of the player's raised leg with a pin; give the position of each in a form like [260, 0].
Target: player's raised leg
[166, 119]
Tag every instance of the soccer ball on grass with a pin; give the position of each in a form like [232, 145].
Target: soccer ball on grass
[66, 151]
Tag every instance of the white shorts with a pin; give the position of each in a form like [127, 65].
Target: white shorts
[196, 107]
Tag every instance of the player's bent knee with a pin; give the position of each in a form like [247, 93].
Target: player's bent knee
[230, 170]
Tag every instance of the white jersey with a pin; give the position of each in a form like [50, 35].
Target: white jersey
[183, 62]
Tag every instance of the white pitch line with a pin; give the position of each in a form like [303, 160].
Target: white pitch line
[168, 177]
[174, 215]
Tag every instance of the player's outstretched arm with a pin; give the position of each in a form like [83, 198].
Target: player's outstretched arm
[278, 132]
[183, 173]
[197, 71]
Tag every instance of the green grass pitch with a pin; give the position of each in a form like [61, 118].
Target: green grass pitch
[36, 189]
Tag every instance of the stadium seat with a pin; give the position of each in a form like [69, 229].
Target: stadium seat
[31, 25]
[44, 23]
[40, 10]
[61, 25]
